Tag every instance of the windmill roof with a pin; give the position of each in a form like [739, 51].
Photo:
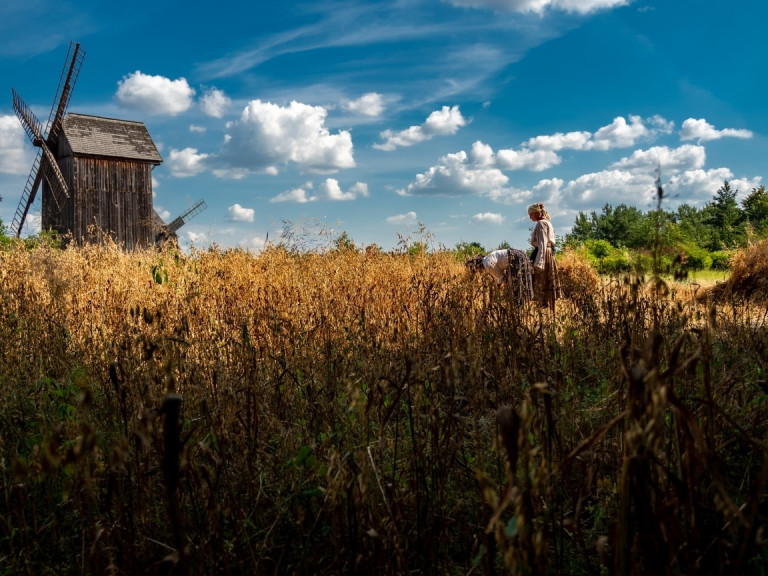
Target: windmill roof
[97, 136]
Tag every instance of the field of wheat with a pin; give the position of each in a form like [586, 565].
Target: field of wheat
[336, 412]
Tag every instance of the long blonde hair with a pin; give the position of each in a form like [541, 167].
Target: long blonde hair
[538, 208]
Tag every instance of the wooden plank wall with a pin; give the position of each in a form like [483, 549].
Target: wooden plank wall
[107, 197]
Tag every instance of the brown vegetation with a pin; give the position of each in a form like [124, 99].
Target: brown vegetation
[339, 413]
[749, 275]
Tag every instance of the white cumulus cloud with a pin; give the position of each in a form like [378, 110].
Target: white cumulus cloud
[455, 175]
[237, 213]
[701, 130]
[253, 242]
[331, 190]
[299, 195]
[560, 141]
[443, 122]
[536, 160]
[609, 186]
[198, 238]
[697, 187]
[163, 213]
[267, 136]
[185, 163]
[686, 157]
[407, 218]
[13, 157]
[482, 156]
[620, 134]
[617, 134]
[215, 103]
[370, 104]
[488, 218]
[155, 94]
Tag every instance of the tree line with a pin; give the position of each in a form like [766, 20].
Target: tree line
[623, 236]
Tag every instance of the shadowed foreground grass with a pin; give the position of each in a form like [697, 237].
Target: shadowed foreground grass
[341, 413]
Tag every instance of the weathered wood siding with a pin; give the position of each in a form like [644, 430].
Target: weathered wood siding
[111, 197]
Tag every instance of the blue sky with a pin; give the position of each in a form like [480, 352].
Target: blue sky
[378, 117]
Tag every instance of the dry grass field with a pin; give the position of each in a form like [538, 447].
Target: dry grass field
[337, 412]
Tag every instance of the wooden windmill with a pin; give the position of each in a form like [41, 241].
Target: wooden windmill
[167, 232]
[96, 173]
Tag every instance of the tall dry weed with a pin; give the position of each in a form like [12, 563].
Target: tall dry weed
[346, 412]
[749, 274]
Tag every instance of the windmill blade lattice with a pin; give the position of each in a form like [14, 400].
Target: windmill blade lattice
[50, 168]
[45, 164]
[188, 214]
[28, 195]
[29, 121]
[69, 75]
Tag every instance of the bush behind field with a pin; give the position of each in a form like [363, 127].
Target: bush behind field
[369, 413]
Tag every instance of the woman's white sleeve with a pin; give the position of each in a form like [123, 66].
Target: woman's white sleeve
[540, 235]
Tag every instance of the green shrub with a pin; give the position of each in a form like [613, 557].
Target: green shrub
[599, 249]
[642, 262]
[696, 258]
[720, 260]
[466, 250]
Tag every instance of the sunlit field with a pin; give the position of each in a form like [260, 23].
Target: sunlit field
[339, 412]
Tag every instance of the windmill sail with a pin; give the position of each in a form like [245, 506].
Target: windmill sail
[188, 214]
[69, 75]
[167, 231]
[34, 131]
[45, 163]
[28, 195]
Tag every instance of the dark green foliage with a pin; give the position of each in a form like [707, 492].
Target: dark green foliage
[725, 220]
[695, 257]
[720, 260]
[692, 226]
[682, 236]
[4, 239]
[466, 250]
[344, 242]
[623, 226]
[756, 211]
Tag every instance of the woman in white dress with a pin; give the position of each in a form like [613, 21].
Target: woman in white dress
[546, 284]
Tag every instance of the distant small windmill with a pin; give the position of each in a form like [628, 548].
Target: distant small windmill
[166, 232]
[96, 173]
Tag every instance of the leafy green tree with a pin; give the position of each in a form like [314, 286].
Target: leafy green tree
[469, 249]
[691, 226]
[623, 226]
[4, 239]
[696, 257]
[599, 248]
[620, 226]
[583, 229]
[755, 207]
[658, 237]
[726, 219]
[344, 242]
[417, 248]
